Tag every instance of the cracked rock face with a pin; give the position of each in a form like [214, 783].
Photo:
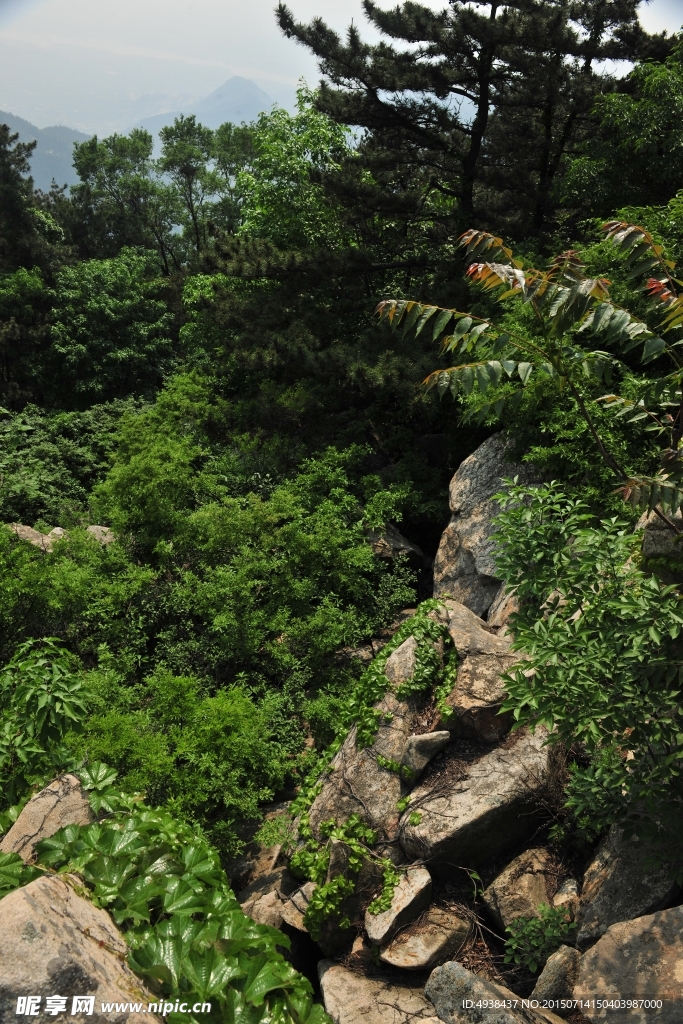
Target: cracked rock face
[637, 960]
[496, 805]
[464, 567]
[357, 784]
[619, 885]
[351, 998]
[53, 941]
[63, 802]
[479, 691]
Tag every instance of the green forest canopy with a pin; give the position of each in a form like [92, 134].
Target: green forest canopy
[189, 355]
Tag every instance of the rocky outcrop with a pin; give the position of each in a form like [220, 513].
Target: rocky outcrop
[357, 784]
[63, 802]
[460, 997]
[389, 543]
[479, 690]
[557, 980]
[464, 567]
[619, 884]
[471, 819]
[55, 942]
[519, 890]
[433, 939]
[46, 541]
[411, 896]
[350, 998]
[636, 960]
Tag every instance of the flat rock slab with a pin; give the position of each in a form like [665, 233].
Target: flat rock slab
[352, 998]
[434, 939]
[63, 802]
[520, 888]
[641, 959]
[619, 885]
[461, 997]
[411, 896]
[54, 942]
[469, 822]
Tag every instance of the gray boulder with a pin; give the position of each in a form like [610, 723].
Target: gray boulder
[350, 997]
[411, 897]
[63, 802]
[464, 567]
[460, 997]
[519, 890]
[567, 897]
[479, 692]
[556, 982]
[470, 821]
[55, 942]
[636, 960]
[619, 885]
[432, 940]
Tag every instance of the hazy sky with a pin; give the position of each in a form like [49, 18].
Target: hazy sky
[100, 65]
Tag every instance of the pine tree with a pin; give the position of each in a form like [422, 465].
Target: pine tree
[459, 105]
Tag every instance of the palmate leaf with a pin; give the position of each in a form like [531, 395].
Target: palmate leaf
[97, 776]
[209, 972]
[13, 872]
[648, 493]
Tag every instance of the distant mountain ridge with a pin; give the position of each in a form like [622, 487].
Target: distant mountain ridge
[238, 99]
[52, 156]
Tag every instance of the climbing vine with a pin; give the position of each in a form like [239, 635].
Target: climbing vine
[436, 661]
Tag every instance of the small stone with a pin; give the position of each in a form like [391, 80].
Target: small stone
[411, 896]
[294, 908]
[421, 749]
[352, 998]
[567, 897]
[63, 802]
[390, 543]
[431, 941]
[461, 997]
[35, 537]
[519, 890]
[557, 980]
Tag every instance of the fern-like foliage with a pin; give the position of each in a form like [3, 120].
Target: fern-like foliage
[573, 311]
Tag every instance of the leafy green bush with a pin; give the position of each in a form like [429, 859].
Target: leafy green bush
[188, 936]
[603, 658]
[41, 699]
[110, 332]
[49, 462]
[533, 939]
